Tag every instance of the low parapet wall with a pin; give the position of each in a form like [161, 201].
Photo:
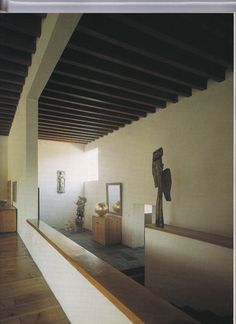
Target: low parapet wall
[190, 268]
[90, 290]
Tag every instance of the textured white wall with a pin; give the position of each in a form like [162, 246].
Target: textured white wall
[57, 208]
[3, 166]
[197, 137]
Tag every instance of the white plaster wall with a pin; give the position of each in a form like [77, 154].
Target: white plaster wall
[3, 166]
[189, 272]
[80, 300]
[22, 160]
[57, 208]
[197, 137]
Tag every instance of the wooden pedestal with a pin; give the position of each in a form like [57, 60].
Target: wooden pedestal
[107, 229]
[7, 220]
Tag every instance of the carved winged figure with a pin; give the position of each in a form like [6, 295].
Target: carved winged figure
[162, 181]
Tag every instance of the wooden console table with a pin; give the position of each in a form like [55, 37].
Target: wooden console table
[107, 229]
[7, 220]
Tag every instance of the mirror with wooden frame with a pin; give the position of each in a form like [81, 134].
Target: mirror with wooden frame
[114, 198]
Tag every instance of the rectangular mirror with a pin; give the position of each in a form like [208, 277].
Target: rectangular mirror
[114, 198]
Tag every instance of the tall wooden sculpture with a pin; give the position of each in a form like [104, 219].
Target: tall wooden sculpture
[162, 181]
[80, 213]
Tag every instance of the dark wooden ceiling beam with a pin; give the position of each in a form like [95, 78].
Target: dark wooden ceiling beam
[65, 133]
[88, 111]
[61, 139]
[51, 121]
[7, 113]
[101, 66]
[28, 24]
[4, 132]
[16, 40]
[93, 100]
[213, 24]
[4, 100]
[122, 33]
[4, 127]
[86, 138]
[7, 106]
[180, 35]
[121, 56]
[103, 89]
[58, 99]
[9, 95]
[81, 121]
[10, 87]
[49, 126]
[80, 73]
[128, 103]
[107, 91]
[78, 123]
[12, 78]
[83, 115]
[6, 119]
[13, 68]
[90, 106]
[15, 56]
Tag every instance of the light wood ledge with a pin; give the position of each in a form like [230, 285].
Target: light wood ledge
[134, 300]
[196, 235]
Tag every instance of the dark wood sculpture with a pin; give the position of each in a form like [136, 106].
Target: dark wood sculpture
[162, 181]
[80, 213]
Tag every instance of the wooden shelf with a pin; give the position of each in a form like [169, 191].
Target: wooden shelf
[134, 300]
[196, 235]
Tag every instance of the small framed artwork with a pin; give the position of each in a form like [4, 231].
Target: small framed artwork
[14, 191]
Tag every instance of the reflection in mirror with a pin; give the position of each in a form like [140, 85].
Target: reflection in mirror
[114, 198]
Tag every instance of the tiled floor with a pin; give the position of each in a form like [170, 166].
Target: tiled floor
[119, 256]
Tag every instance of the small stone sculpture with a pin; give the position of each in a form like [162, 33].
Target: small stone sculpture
[80, 213]
[70, 226]
[162, 180]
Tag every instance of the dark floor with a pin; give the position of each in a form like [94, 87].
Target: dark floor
[206, 317]
[119, 256]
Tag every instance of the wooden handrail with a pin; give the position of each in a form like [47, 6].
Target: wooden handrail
[196, 235]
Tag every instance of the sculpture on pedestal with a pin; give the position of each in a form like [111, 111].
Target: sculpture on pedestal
[162, 181]
[80, 213]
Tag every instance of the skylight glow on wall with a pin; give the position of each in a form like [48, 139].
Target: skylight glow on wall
[91, 165]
